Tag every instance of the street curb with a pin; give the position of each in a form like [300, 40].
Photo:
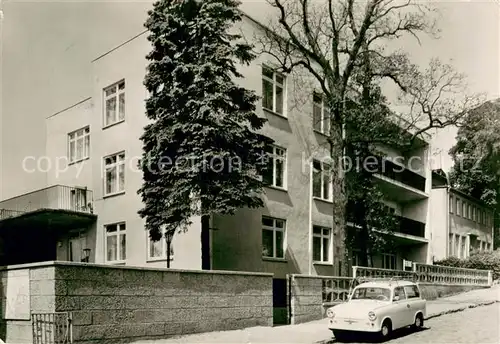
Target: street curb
[461, 309]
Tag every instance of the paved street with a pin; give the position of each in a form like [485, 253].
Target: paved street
[478, 325]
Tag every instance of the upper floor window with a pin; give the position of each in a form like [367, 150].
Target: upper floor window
[451, 204]
[116, 243]
[321, 244]
[79, 145]
[389, 209]
[321, 115]
[273, 237]
[114, 171]
[157, 250]
[469, 212]
[114, 100]
[275, 174]
[273, 90]
[464, 209]
[322, 180]
[458, 207]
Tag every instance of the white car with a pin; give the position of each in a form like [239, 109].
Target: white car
[378, 308]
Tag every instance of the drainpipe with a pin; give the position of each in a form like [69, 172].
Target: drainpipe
[310, 216]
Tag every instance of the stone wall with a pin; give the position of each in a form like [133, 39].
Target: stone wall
[113, 304]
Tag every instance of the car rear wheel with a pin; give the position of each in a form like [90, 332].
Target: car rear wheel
[419, 322]
[385, 330]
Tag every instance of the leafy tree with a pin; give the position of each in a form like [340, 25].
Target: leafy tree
[341, 46]
[202, 153]
[476, 157]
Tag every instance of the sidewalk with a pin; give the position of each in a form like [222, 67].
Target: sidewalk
[317, 331]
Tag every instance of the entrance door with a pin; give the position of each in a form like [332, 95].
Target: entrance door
[75, 249]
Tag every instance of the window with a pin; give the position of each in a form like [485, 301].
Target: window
[469, 212]
[450, 244]
[411, 291]
[273, 85]
[273, 238]
[78, 199]
[456, 252]
[364, 293]
[473, 213]
[114, 171]
[321, 115]
[389, 209]
[399, 294]
[463, 254]
[79, 144]
[116, 243]
[114, 103]
[322, 182]
[464, 209]
[451, 204]
[157, 250]
[388, 261]
[275, 173]
[321, 244]
[458, 207]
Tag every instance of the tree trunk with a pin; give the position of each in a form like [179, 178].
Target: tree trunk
[168, 253]
[205, 242]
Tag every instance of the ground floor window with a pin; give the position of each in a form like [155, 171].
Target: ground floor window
[116, 243]
[388, 261]
[273, 237]
[321, 244]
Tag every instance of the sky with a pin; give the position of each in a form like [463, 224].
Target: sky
[47, 47]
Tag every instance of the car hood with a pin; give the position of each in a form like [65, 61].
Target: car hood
[357, 308]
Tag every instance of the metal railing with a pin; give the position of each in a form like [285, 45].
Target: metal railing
[336, 289]
[451, 275]
[366, 273]
[59, 197]
[424, 273]
[52, 328]
[411, 227]
[402, 175]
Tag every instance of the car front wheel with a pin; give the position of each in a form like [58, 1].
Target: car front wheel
[385, 330]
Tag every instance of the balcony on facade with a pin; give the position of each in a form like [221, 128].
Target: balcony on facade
[399, 183]
[31, 224]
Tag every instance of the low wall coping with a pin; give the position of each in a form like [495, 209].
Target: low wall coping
[130, 267]
[320, 277]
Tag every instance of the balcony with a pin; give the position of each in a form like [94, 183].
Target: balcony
[411, 227]
[58, 206]
[401, 184]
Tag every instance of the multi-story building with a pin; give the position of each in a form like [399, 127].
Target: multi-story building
[92, 153]
[460, 223]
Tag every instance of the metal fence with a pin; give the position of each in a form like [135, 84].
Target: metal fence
[52, 328]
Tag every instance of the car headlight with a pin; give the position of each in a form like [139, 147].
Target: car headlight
[372, 316]
[330, 313]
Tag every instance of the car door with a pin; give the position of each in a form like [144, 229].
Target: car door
[413, 295]
[400, 308]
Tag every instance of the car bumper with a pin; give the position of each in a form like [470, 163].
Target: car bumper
[353, 325]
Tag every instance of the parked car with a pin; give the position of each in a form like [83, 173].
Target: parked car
[378, 307]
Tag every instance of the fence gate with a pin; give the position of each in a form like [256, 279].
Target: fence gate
[52, 328]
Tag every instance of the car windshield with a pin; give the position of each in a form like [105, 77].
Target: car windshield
[364, 293]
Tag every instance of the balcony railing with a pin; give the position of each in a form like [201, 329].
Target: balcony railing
[411, 227]
[402, 175]
[406, 225]
[58, 197]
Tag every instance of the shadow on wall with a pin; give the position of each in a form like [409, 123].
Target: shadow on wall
[3, 326]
